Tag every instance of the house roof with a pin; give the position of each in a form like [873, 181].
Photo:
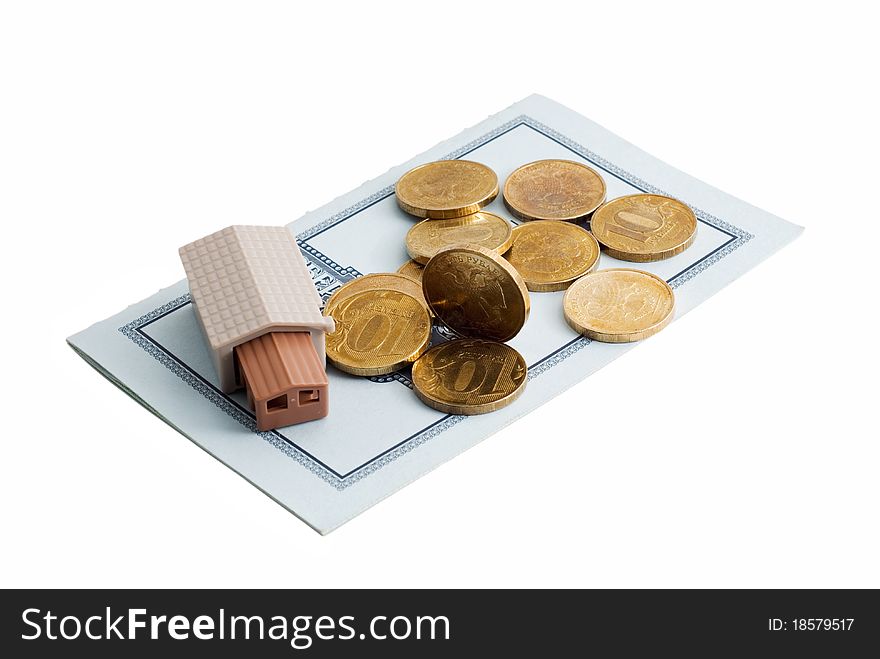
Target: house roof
[278, 362]
[246, 280]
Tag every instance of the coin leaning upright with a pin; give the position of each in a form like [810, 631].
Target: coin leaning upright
[550, 255]
[554, 190]
[469, 376]
[377, 332]
[428, 237]
[446, 188]
[476, 293]
[644, 227]
[618, 305]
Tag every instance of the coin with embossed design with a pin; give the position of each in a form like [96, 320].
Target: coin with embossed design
[476, 293]
[377, 332]
[644, 227]
[374, 282]
[469, 376]
[446, 188]
[412, 270]
[551, 255]
[618, 305]
[428, 237]
[554, 190]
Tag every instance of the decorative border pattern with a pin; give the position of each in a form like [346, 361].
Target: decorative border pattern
[401, 449]
[393, 377]
[567, 351]
[133, 331]
[344, 215]
[329, 275]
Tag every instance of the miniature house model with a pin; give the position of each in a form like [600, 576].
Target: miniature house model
[261, 317]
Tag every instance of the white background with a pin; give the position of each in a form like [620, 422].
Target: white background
[128, 129]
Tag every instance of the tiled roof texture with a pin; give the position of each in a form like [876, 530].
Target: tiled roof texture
[247, 278]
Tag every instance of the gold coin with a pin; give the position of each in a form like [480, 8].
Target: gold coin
[428, 237]
[554, 190]
[551, 255]
[476, 293]
[412, 270]
[377, 332]
[618, 305]
[469, 376]
[375, 282]
[644, 227]
[446, 188]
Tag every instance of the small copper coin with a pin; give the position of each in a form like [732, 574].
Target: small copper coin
[488, 230]
[469, 376]
[446, 188]
[618, 305]
[554, 190]
[644, 227]
[377, 332]
[550, 255]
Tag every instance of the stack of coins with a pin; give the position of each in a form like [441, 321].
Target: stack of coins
[471, 271]
[481, 298]
[468, 286]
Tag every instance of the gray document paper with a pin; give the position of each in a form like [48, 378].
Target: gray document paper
[328, 471]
